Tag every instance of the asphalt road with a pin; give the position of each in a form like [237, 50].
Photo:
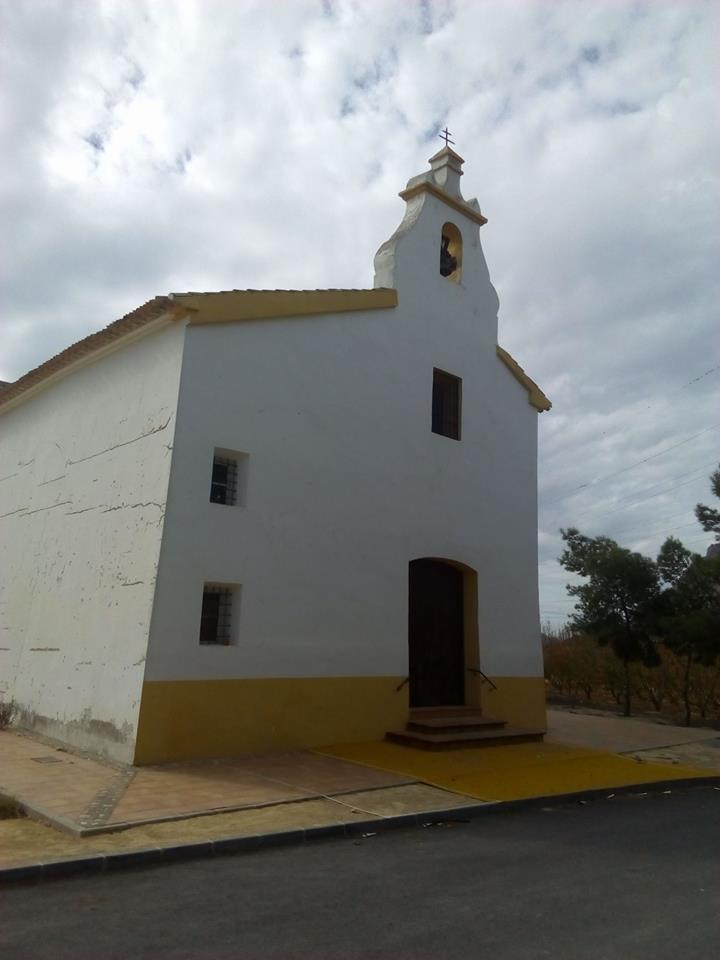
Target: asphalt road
[622, 878]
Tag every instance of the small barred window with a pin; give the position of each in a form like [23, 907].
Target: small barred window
[217, 614]
[224, 484]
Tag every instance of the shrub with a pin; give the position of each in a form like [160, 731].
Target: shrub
[7, 713]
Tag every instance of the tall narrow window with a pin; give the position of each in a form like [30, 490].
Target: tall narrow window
[446, 402]
[216, 616]
[223, 486]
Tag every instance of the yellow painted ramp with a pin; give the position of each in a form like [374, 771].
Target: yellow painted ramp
[513, 771]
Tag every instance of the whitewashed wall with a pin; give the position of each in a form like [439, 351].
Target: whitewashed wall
[347, 483]
[84, 467]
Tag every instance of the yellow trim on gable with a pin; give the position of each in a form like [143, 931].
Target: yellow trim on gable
[536, 397]
[427, 187]
[193, 719]
[231, 305]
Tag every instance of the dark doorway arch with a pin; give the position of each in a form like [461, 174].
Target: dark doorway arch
[436, 633]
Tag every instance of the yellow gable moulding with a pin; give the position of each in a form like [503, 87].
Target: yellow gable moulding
[225, 307]
[232, 305]
[536, 398]
[446, 198]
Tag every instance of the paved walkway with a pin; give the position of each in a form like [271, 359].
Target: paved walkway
[127, 812]
[514, 771]
[85, 795]
[620, 734]
[24, 842]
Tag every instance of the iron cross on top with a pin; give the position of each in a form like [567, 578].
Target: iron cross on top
[445, 135]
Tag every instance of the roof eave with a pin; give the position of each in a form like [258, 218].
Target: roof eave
[536, 398]
[238, 305]
[426, 186]
[134, 325]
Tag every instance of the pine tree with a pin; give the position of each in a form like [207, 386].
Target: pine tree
[612, 605]
[688, 610]
[709, 517]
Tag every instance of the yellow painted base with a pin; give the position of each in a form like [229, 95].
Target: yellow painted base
[518, 700]
[194, 719]
[512, 771]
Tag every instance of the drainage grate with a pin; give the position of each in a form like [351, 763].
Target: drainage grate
[47, 759]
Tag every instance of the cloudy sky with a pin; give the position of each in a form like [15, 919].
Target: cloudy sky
[158, 145]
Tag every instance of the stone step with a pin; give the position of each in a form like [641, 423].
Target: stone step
[452, 721]
[468, 738]
[447, 711]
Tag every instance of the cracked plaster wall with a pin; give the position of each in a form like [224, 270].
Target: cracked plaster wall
[84, 469]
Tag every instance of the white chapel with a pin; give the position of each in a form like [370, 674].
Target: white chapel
[262, 519]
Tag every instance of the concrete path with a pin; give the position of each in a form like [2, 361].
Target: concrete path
[619, 734]
[703, 755]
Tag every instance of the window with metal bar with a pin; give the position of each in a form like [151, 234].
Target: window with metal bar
[223, 486]
[446, 403]
[216, 616]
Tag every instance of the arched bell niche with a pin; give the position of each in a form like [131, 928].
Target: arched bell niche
[451, 252]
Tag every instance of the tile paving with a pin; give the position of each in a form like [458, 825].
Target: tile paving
[24, 842]
[125, 809]
[85, 794]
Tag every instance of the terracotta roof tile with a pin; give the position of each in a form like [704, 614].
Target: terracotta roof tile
[137, 318]
[220, 293]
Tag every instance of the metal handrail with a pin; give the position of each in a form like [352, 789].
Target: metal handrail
[483, 675]
[474, 670]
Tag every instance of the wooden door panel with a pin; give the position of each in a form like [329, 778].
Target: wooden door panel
[435, 629]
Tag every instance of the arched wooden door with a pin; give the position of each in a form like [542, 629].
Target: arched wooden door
[436, 635]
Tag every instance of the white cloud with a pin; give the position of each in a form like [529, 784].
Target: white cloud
[165, 146]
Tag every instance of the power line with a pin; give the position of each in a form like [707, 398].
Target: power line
[671, 516]
[623, 531]
[654, 533]
[701, 475]
[698, 539]
[638, 463]
[672, 393]
[680, 526]
[696, 379]
[697, 473]
[684, 386]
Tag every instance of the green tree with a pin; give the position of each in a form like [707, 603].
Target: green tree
[613, 603]
[687, 612]
[709, 517]
[674, 561]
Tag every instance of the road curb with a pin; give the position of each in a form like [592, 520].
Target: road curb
[356, 830]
